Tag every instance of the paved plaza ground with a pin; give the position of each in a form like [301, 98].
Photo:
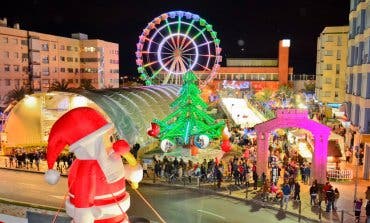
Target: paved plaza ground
[303, 208]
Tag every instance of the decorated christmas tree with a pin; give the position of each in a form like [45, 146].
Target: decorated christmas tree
[189, 124]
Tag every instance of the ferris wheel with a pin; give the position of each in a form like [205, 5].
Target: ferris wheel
[174, 43]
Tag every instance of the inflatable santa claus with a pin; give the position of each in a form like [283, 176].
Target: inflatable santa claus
[96, 179]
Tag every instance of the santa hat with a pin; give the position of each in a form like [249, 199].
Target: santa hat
[74, 128]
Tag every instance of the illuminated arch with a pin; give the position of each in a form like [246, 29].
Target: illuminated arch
[288, 118]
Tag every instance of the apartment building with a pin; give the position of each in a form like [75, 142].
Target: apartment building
[35, 60]
[358, 70]
[331, 64]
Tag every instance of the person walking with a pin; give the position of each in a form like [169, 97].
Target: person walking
[218, 177]
[297, 191]
[313, 193]
[358, 206]
[286, 194]
[145, 168]
[336, 197]
[330, 197]
[255, 179]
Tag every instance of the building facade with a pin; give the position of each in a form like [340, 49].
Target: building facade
[35, 60]
[358, 70]
[256, 74]
[331, 64]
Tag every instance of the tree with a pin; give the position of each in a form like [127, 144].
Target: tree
[86, 84]
[265, 95]
[190, 117]
[285, 91]
[60, 86]
[16, 94]
[309, 87]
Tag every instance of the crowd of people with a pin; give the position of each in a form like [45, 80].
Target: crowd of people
[19, 158]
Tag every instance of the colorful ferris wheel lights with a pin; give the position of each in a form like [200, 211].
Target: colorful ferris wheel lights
[174, 43]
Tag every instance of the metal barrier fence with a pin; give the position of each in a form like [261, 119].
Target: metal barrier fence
[340, 174]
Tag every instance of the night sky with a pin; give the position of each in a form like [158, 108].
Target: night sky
[260, 24]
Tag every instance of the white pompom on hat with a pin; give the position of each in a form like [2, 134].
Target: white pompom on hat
[68, 129]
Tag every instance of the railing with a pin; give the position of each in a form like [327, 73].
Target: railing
[340, 174]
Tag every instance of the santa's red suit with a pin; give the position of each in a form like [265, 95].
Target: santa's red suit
[96, 180]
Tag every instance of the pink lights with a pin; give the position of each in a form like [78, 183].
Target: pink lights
[288, 118]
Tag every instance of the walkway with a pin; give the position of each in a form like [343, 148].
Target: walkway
[345, 208]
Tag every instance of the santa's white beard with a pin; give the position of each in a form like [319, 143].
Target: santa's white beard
[111, 164]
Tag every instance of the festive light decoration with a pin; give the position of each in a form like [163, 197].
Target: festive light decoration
[174, 43]
[190, 121]
[167, 145]
[226, 146]
[201, 141]
[154, 131]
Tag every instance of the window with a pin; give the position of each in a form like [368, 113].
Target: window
[339, 54]
[45, 71]
[70, 70]
[69, 48]
[328, 53]
[69, 59]
[54, 58]
[62, 58]
[45, 83]
[5, 54]
[4, 40]
[329, 67]
[339, 41]
[337, 68]
[330, 39]
[54, 46]
[336, 94]
[327, 93]
[76, 81]
[76, 59]
[24, 42]
[45, 60]
[89, 70]
[113, 61]
[70, 80]
[15, 41]
[76, 70]
[17, 82]
[16, 68]
[86, 60]
[6, 67]
[16, 55]
[62, 47]
[55, 69]
[45, 47]
[89, 49]
[7, 82]
[76, 49]
[336, 82]
[63, 70]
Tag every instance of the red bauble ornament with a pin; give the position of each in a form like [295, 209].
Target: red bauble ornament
[226, 146]
[154, 131]
[194, 150]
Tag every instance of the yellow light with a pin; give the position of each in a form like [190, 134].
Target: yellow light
[30, 101]
[286, 43]
[301, 105]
